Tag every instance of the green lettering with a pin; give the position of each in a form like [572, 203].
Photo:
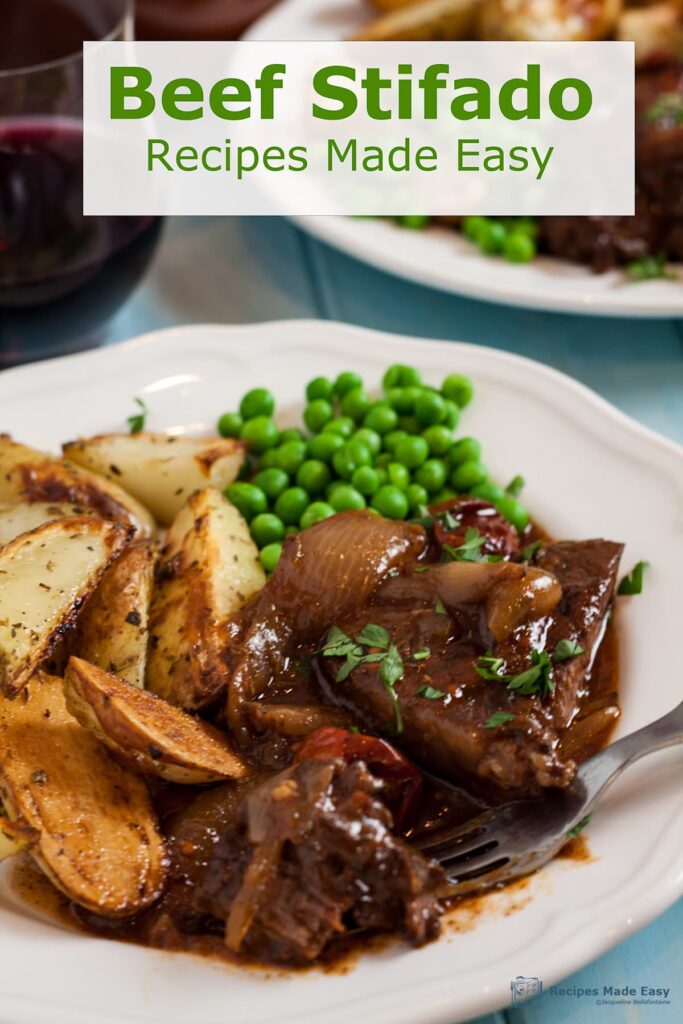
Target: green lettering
[478, 94]
[120, 92]
[346, 98]
[152, 154]
[584, 99]
[531, 85]
[182, 90]
[227, 92]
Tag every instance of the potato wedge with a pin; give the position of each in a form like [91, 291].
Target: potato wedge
[208, 569]
[656, 30]
[18, 519]
[27, 475]
[45, 576]
[146, 732]
[98, 840]
[429, 20]
[160, 471]
[15, 836]
[553, 21]
[112, 629]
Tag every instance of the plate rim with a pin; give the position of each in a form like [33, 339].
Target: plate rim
[444, 1003]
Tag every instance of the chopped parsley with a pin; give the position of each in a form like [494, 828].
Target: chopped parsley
[448, 520]
[498, 718]
[491, 668]
[136, 422]
[516, 486]
[633, 583]
[667, 107]
[422, 655]
[537, 678]
[339, 645]
[579, 827]
[429, 693]
[439, 607]
[649, 268]
[469, 550]
[530, 550]
[374, 636]
[566, 650]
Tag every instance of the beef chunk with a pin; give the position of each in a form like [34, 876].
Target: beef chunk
[310, 855]
[452, 734]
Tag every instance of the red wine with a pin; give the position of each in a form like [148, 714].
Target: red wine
[47, 247]
[40, 31]
[196, 19]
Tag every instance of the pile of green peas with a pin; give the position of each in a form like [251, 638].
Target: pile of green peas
[394, 455]
[514, 238]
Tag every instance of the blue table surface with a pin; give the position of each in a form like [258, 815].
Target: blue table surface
[249, 270]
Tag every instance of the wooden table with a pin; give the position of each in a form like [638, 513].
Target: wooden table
[247, 270]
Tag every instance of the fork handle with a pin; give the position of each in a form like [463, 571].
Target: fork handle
[601, 769]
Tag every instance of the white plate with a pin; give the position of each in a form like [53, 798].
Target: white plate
[590, 471]
[444, 259]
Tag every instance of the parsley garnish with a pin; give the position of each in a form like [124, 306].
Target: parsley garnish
[566, 650]
[649, 268]
[439, 607]
[470, 550]
[530, 550]
[448, 521]
[515, 487]
[423, 518]
[536, 679]
[633, 583]
[579, 827]
[667, 107]
[136, 422]
[429, 692]
[490, 668]
[422, 655]
[498, 718]
[339, 645]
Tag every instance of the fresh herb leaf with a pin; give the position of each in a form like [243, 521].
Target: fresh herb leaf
[374, 636]
[390, 671]
[667, 107]
[536, 679]
[422, 655]
[470, 550]
[448, 520]
[339, 645]
[136, 422]
[566, 650]
[498, 718]
[490, 668]
[633, 583]
[439, 607]
[530, 550]
[516, 486]
[354, 729]
[421, 568]
[429, 692]
[579, 827]
[649, 268]
[423, 518]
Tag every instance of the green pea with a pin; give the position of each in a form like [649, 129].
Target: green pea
[260, 433]
[319, 387]
[291, 505]
[403, 399]
[401, 376]
[417, 497]
[355, 403]
[272, 482]
[382, 476]
[291, 531]
[383, 460]
[247, 499]
[452, 415]
[467, 449]
[458, 389]
[270, 556]
[346, 497]
[315, 513]
[313, 476]
[430, 408]
[230, 424]
[391, 439]
[415, 221]
[268, 459]
[439, 439]
[267, 529]
[257, 402]
[370, 438]
[492, 238]
[468, 475]
[317, 414]
[473, 227]
[409, 424]
[398, 475]
[323, 446]
[346, 382]
[390, 502]
[444, 495]
[519, 247]
[513, 511]
[381, 418]
[350, 457]
[432, 475]
[488, 492]
[412, 451]
[342, 425]
[292, 434]
[366, 480]
[290, 456]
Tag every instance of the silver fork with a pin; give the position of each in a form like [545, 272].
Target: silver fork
[520, 837]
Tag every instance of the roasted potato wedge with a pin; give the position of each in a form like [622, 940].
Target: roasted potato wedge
[97, 833]
[657, 29]
[554, 21]
[18, 519]
[112, 630]
[208, 569]
[15, 836]
[45, 576]
[160, 471]
[146, 732]
[27, 475]
[428, 20]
